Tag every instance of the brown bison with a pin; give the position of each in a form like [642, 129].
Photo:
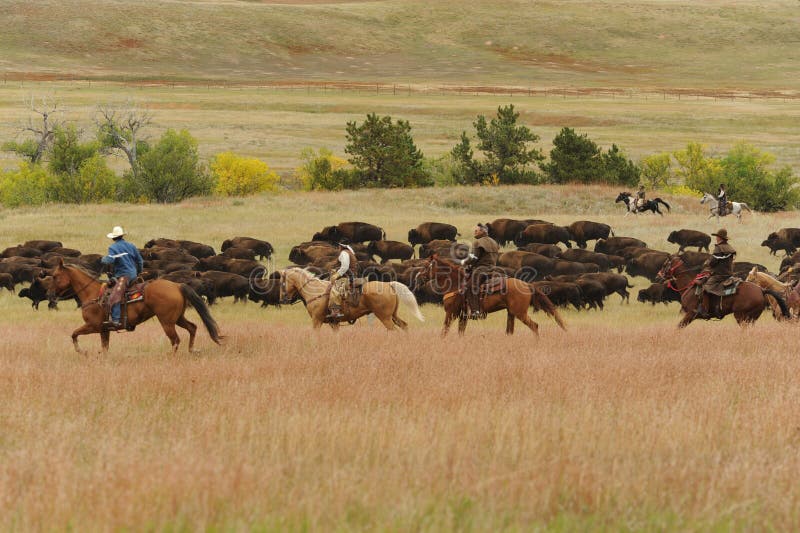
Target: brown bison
[775, 243]
[548, 250]
[790, 234]
[429, 231]
[230, 284]
[262, 249]
[543, 234]
[21, 251]
[237, 252]
[444, 248]
[613, 245]
[579, 255]
[43, 246]
[647, 265]
[561, 293]
[693, 259]
[586, 230]
[690, 237]
[387, 250]
[658, 293]
[7, 281]
[243, 267]
[504, 230]
[350, 232]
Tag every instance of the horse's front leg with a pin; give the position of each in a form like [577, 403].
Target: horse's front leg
[105, 337]
[85, 329]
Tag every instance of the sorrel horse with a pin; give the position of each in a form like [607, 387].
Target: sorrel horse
[163, 299]
[380, 298]
[746, 304]
[448, 277]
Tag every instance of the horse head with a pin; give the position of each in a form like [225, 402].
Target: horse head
[669, 267]
[706, 197]
[622, 197]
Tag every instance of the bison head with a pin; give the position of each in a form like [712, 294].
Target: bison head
[413, 237]
[671, 237]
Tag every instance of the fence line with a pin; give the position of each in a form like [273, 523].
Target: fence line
[397, 89]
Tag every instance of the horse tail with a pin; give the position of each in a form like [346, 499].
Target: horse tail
[193, 299]
[407, 297]
[745, 206]
[663, 202]
[541, 301]
[781, 302]
[612, 232]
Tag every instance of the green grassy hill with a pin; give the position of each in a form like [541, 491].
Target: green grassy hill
[637, 43]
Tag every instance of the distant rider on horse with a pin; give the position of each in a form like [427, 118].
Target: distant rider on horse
[480, 264]
[341, 279]
[127, 264]
[640, 198]
[720, 268]
[722, 196]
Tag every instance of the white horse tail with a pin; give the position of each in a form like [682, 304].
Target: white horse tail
[407, 297]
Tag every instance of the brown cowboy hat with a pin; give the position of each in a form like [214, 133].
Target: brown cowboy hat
[722, 234]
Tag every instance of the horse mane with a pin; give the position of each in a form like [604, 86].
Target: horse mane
[82, 270]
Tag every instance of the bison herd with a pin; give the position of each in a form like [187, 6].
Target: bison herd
[544, 256]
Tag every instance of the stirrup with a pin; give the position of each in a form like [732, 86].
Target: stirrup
[112, 326]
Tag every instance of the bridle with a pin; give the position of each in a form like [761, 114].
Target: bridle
[670, 276]
[284, 291]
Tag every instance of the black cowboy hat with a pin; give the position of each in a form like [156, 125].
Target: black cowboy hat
[722, 234]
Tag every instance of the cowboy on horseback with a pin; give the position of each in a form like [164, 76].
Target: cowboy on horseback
[480, 264]
[127, 264]
[640, 198]
[341, 280]
[720, 268]
[722, 197]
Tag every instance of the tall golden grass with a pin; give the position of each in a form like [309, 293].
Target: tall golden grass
[620, 422]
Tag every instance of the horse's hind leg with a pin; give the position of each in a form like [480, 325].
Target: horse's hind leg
[687, 319]
[105, 337]
[525, 319]
[402, 324]
[169, 329]
[190, 327]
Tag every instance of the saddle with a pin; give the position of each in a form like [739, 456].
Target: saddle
[133, 292]
[353, 291]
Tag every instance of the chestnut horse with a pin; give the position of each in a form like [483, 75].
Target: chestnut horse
[447, 277]
[380, 298]
[746, 304]
[163, 299]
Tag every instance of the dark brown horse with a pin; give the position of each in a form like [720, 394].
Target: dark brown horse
[163, 299]
[746, 304]
[448, 277]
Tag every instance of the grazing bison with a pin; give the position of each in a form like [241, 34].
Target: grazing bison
[690, 237]
[504, 230]
[586, 230]
[262, 249]
[387, 250]
[43, 246]
[647, 265]
[544, 234]
[775, 243]
[658, 293]
[613, 245]
[429, 231]
[548, 250]
[350, 231]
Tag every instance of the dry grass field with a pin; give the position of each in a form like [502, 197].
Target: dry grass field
[621, 422]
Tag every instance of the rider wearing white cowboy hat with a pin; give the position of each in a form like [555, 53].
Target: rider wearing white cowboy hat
[127, 264]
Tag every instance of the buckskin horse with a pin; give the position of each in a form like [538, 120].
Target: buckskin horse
[516, 297]
[746, 304]
[163, 299]
[378, 297]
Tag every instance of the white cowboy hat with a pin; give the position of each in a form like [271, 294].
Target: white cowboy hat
[116, 232]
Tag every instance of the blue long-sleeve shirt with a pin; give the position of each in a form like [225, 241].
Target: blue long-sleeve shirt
[126, 259]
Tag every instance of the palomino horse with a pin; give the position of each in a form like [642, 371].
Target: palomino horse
[380, 298]
[163, 299]
[790, 292]
[733, 208]
[746, 304]
[649, 205]
[516, 298]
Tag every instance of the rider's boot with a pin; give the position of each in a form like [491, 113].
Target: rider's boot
[334, 313]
